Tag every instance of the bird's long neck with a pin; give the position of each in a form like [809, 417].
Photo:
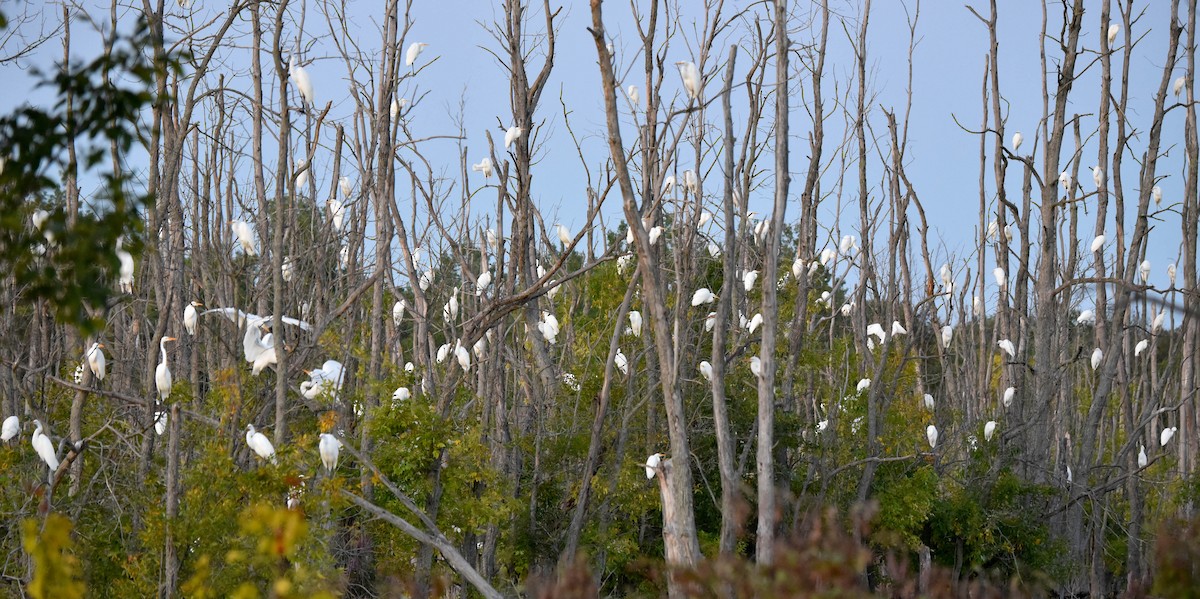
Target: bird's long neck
[162, 349]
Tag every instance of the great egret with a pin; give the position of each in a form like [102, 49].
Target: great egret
[1140, 347]
[756, 366]
[1157, 193]
[1164, 437]
[409, 367]
[190, 316]
[931, 434]
[162, 374]
[125, 271]
[1016, 141]
[755, 322]
[621, 362]
[303, 83]
[346, 186]
[876, 329]
[244, 234]
[160, 422]
[947, 336]
[928, 399]
[549, 328]
[846, 308]
[45, 448]
[1157, 325]
[706, 370]
[268, 355]
[463, 356]
[1142, 459]
[512, 134]
[668, 184]
[1008, 347]
[989, 429]
[635, 323]
[714, 251]
[12, 426]
[401, 394]
[1171, 274]
[691, 182]
[564, 235]
[748, 279]
[493, 240]
[1064, 180]
[898, 329]
[442, 352]
[1144, 270]
[1086, 317]
[710, 321]
[1113, 30]
[1000, 276]
[329, 446]
[652, 464]
[993, 227]
[96, 361]
[483, 166]
[287, 269]
[335, 211]
[451, 311]
[1098, 177]
[691, 78]
[1178, 87]
[632, 92]
[326, 378]
[847, 244]
[414, 50]
[797, 268]
[483, 282]
[398, 311]
[654, 233]
[480, 347]
[260, 444]
[394, 109]
[705, 216]
[1097, 357]
[1008, 396]
[976, 306]
[425, 280]
[1097, 243]
[862, 385]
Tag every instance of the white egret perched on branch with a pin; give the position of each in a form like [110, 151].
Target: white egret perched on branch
[621, 362]
[1097, 243]
[652, 464]
[706, 370]
[125, 260]
[1086, 317]
[691, 78]
[303, 83]
[1008, 347]
[947, 336]
[632, 92]
[1113, 30]
[1008, 396]
[564, 235]
[748, 279]
[1097, 357]
[190, 316]
[989, 429]
[1140, 347]
[45, 448]
[654, 233]
[512, 134]
[1178, 87]
[754, 322]
[483, 166]
[414, 50]
[635, 323]
[1098, 177]
[703, 295]
[1143, 460]
[162, 373]
[1156, 192]
[160, 422]
[326, 378]
[96, 360]
[12, 426]
[862, 385]
[931, 433]
[244, 234]
[756, 366]
[1016, 141]
[483, 282]
[260, 444]
[329, 446]
[335, 211]
[1163, 438]
[401, 394]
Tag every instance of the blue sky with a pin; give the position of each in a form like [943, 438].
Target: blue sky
[461, 79]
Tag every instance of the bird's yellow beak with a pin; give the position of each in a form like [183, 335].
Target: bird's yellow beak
[99, 345]
[172, 339]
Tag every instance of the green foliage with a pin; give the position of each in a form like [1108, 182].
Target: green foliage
[56, 570]
[73, 263]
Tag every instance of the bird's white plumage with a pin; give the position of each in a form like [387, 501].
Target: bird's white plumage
[1165, 436]
[96, 360]
[512, 134]
[12, 426]
[244, 234]
[303, 82]
[989, 429]
[635, 323]
[756, 366]
[1140, 347]
[44, 447]
[748, 279]
[621, 362]
[691, 78]
[329, 446]
[1008, 396]
[1008, 347]
[703, 295]
[1097, 357]
[260, 444]
[706, 370]
[931, 433]
[414, 50]
[162, 373]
